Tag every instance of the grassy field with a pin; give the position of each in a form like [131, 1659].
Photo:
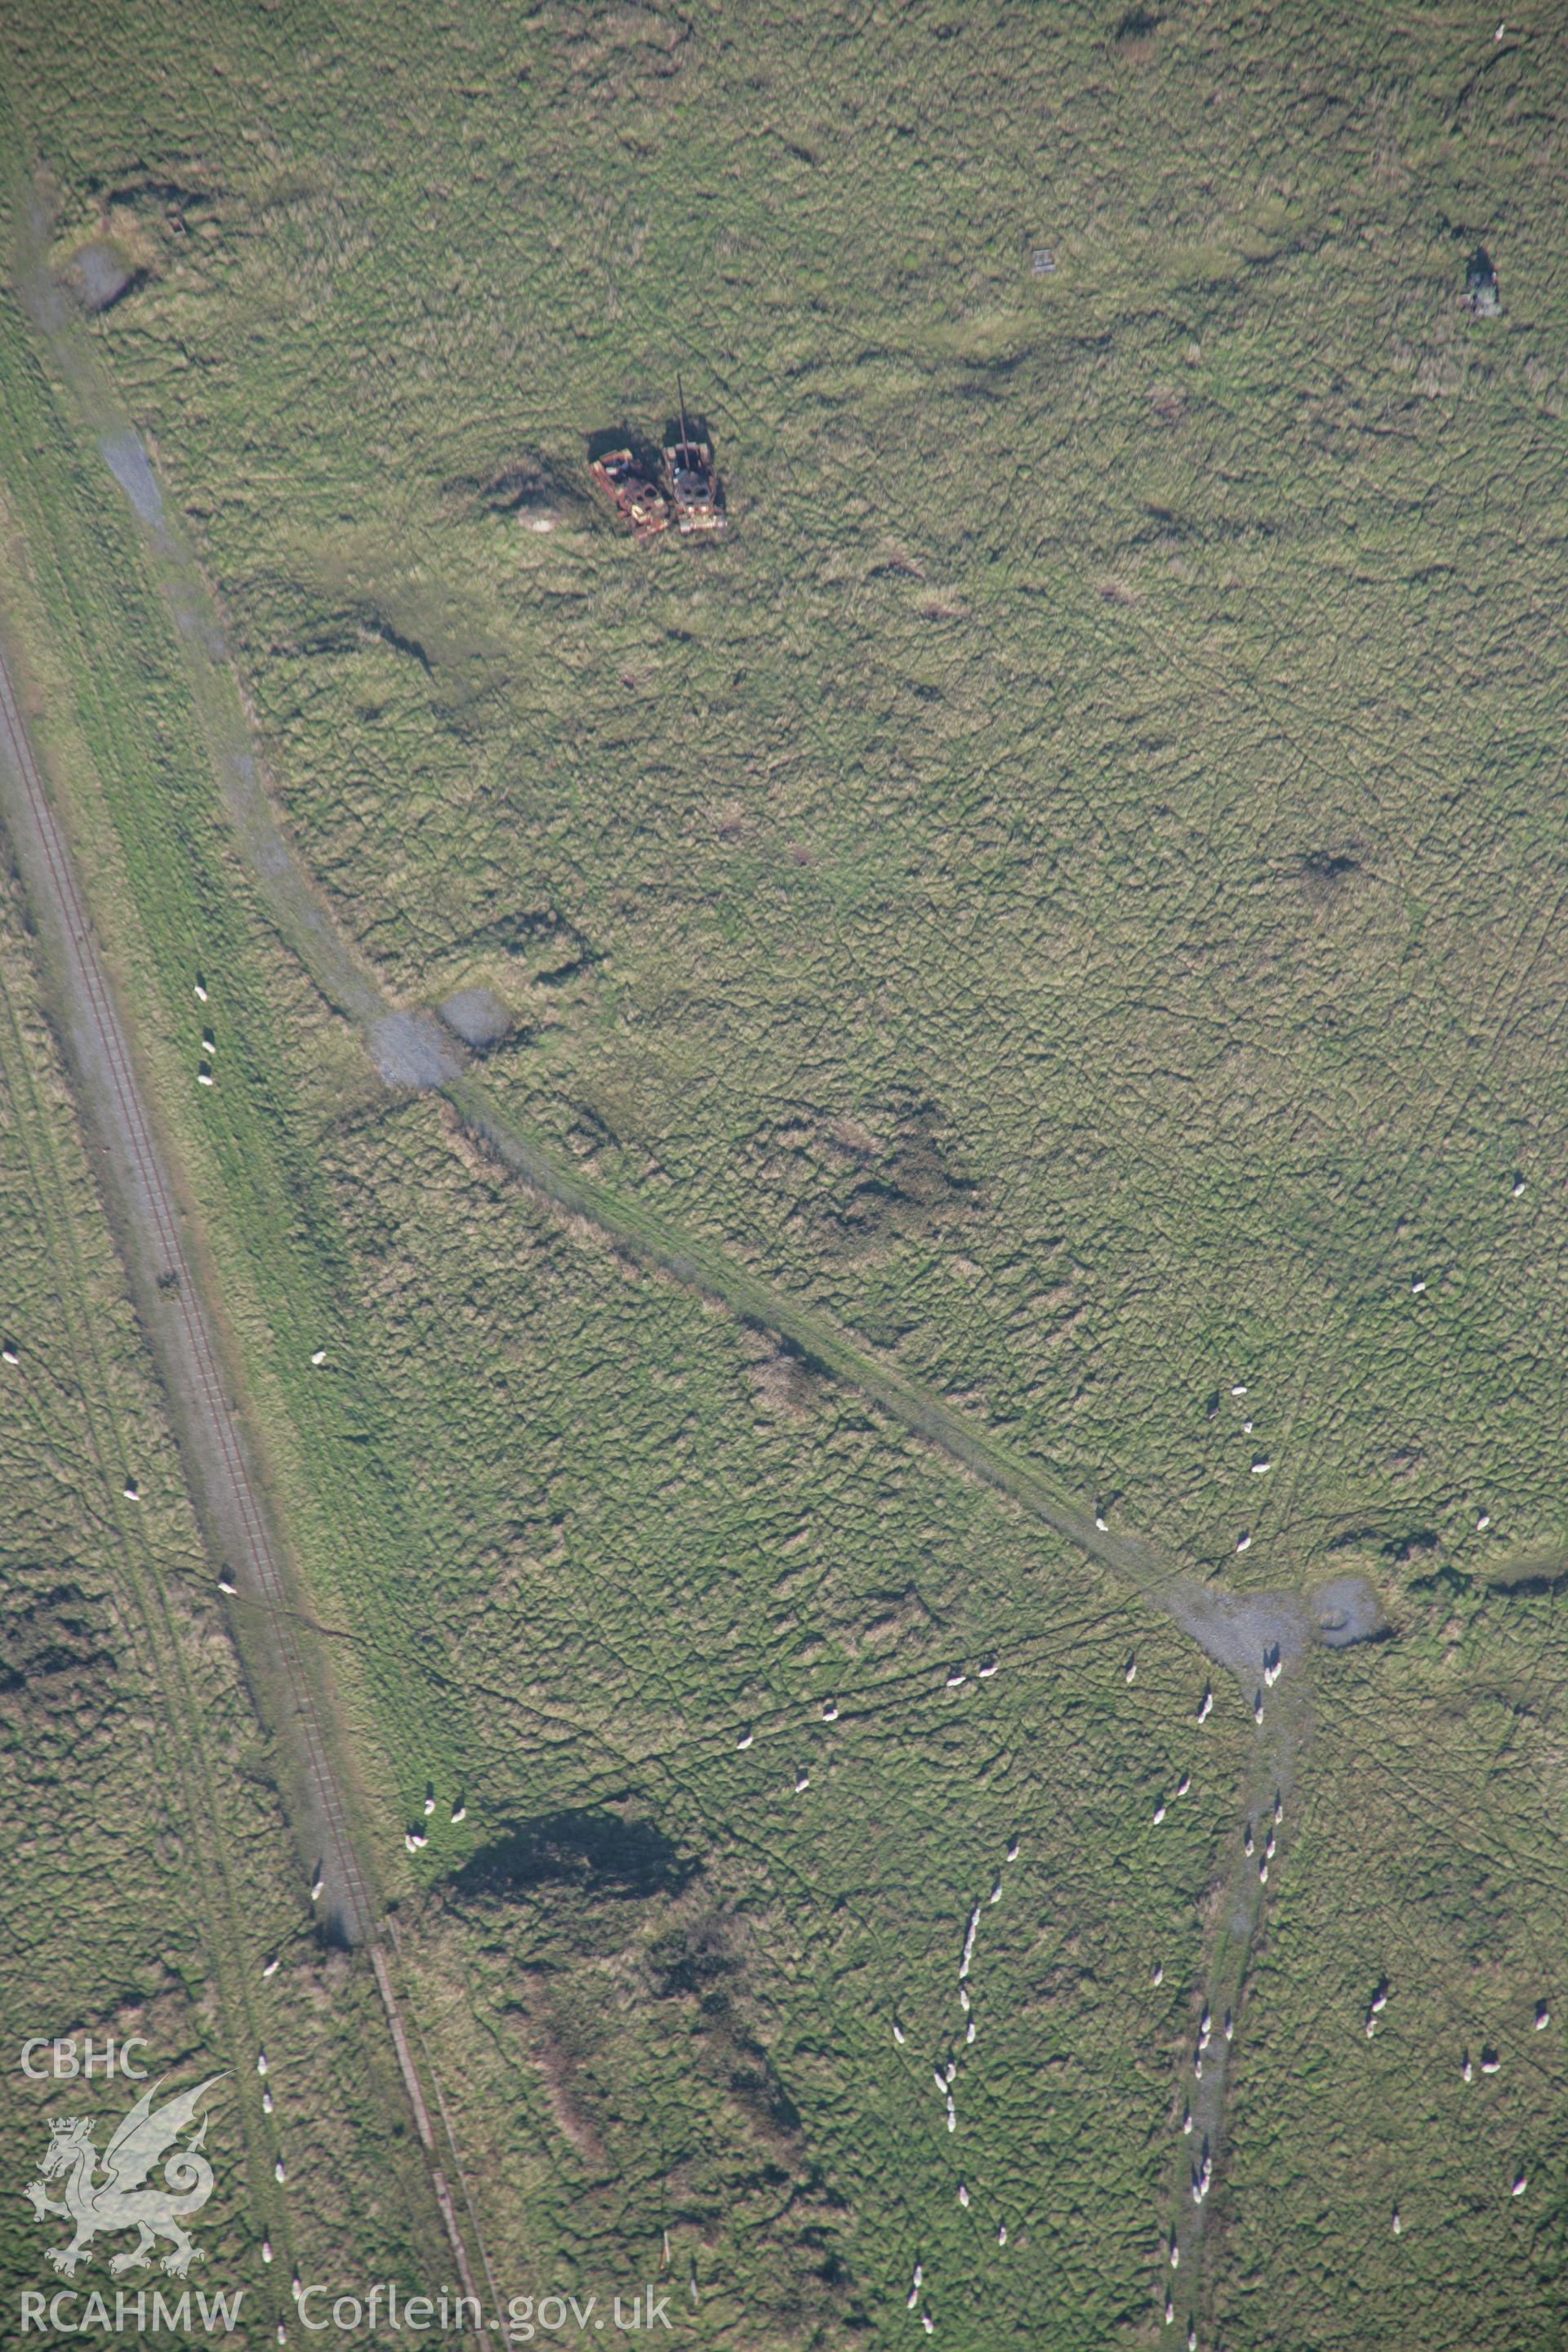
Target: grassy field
[1068, 895]
[151, 1871]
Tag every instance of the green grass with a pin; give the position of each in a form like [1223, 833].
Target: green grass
[1066, 895]
[148, 1866]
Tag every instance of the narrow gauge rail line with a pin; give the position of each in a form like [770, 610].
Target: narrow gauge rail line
[220, 1472]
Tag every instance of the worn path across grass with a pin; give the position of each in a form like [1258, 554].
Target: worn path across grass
[214, 1449]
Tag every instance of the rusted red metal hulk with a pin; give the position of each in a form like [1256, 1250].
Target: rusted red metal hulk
[640, 504]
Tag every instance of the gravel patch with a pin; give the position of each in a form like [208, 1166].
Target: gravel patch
[1346, 1610]
[478, 1015]
[409, 1050]
[101, 274]
[127, 461]
[1237, 1627]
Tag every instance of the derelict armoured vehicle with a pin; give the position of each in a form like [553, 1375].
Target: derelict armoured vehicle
[639, 502]
[696, 493]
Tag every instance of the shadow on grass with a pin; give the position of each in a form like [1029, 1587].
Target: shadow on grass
[597, 1852]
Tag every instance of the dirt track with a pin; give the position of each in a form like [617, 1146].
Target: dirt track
[142, 1202]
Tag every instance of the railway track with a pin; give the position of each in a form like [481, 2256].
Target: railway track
[139, 1186]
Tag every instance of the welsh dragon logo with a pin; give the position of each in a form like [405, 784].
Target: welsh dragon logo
[115, 2197]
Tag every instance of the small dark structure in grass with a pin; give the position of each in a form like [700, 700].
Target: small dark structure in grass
[1480, 285]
